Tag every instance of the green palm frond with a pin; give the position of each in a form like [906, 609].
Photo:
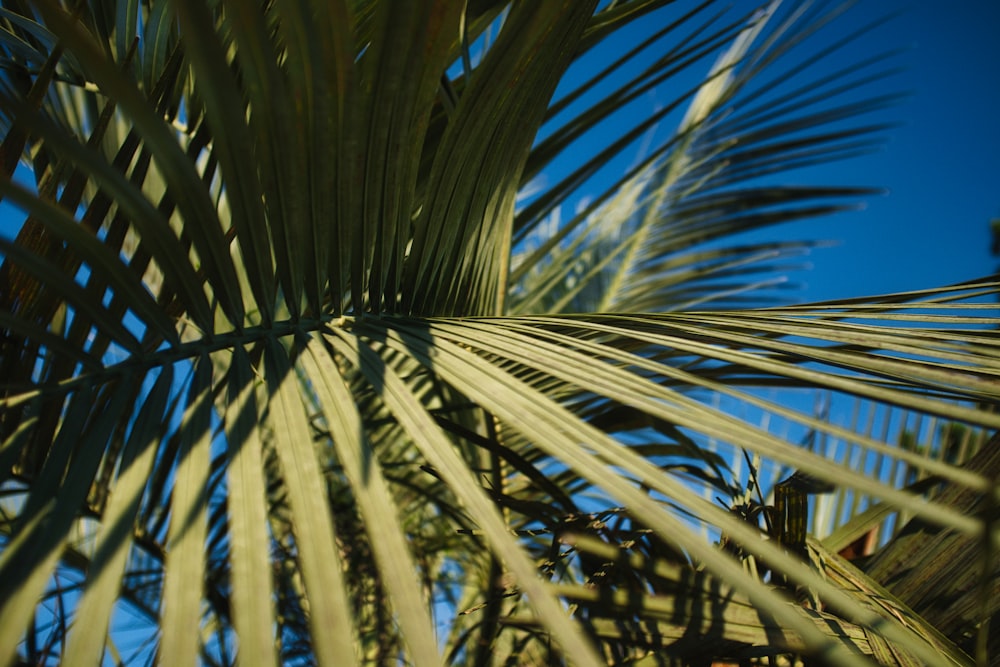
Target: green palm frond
[291, 375]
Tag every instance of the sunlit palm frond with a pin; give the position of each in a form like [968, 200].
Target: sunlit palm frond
[273, 389]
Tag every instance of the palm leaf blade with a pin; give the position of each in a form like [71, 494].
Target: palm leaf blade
[330, 617]
[185, 569]
[109, 561]
[252, 590]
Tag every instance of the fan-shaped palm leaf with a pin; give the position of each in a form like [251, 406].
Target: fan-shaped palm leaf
[288, 374]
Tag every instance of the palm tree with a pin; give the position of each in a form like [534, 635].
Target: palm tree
[302, 365]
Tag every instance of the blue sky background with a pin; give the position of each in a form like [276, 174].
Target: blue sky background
[941, 165]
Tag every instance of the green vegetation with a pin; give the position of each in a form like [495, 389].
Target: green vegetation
[320, 345]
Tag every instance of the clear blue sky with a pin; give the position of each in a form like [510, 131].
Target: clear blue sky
[941, 166]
